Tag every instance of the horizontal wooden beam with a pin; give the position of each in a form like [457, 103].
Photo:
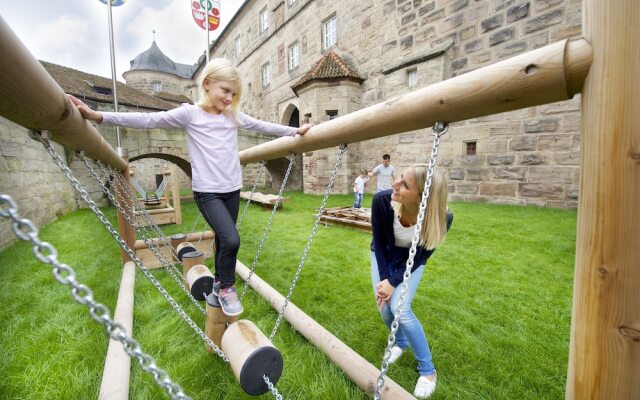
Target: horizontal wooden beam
[30, 97]
[545, 75]
[359, 370]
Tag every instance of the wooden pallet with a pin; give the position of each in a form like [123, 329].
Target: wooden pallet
[357, 218]
[267, 201]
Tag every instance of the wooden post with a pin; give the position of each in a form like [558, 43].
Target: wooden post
[604, 357]
[175, 190]
[216, 324]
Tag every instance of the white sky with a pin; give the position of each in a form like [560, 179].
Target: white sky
[75, 33]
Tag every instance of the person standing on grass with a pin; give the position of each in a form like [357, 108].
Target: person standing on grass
[385, 172]
[358, 188]
[212, 138]
[394, 214]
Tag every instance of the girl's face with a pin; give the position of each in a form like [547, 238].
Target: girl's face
[405, 190]
[220, 93]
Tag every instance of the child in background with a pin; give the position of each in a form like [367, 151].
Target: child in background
[212, 137]
[358, 187]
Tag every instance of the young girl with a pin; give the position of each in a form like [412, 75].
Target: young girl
[394, 214]
[212, 130]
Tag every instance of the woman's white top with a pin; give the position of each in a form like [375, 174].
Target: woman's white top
[403, 234]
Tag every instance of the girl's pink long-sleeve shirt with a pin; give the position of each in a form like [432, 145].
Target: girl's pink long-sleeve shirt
[212, 141]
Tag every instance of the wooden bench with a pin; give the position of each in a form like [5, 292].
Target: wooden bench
[267, 201]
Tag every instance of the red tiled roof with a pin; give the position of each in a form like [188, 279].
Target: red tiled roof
[330, 67]
[176, 98]
[97, 88]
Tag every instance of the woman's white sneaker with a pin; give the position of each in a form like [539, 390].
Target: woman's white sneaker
[425, 387]
[396, 352]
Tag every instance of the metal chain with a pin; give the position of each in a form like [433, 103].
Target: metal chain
[92, 205]
[263, 163]
[272, 388]
[265, 233]
[439, 129]
[332, 179]
[82, 294]
[121, 204]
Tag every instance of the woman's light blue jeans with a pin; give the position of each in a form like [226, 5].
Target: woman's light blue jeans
[410, 331]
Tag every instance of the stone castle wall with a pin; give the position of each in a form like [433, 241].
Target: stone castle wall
[524, 157]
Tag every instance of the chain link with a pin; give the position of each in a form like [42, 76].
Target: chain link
[342, 149]
[272, 388]
[439, 129]
[92, 205]
[64, 274]
[121, 203]
[265, 233]
[263, 163]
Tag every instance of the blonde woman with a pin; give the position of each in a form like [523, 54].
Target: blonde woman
[212, 137]
[394, 214]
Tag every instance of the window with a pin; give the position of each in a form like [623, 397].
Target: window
[471, 148]
[157, 86]
[412, 77]
[329, 34]
[238, 47]
[294, 56]
[332, 114]
[264, 20]
[266, 74]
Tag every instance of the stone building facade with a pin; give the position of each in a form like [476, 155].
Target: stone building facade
[526, 157]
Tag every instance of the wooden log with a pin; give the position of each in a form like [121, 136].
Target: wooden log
[117, 365]
[202, 241]
[200, 281]
[29, 96]
[190, 259]
[359, 370]
[177, 239]
[183, 248]
[127, 232]
[604, 356]
[545, 75]
[216, 323]
[251, 356]
[175, 191]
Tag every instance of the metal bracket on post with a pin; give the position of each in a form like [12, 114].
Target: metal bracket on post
[39, 135]
[440, 128]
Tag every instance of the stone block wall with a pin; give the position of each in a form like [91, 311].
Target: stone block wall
[28, 174]
[528, 156]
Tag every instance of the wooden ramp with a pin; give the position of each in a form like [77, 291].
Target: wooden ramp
[267, 201]
[358, 218]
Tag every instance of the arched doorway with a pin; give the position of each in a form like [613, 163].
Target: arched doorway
[278, 167]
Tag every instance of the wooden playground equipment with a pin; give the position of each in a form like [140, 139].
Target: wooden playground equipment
[267, 201]
[357, 218]
[604, 354]
[168, 208]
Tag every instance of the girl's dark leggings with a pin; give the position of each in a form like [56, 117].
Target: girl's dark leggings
[220, 210]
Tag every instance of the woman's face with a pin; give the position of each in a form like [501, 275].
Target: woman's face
[220, 93]
[405, 190]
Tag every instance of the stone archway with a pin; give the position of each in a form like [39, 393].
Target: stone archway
[278, 167]
[183, 164]
[148, 169]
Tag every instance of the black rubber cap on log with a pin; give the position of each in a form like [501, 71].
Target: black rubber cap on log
[264, 361]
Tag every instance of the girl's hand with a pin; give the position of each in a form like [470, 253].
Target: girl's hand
[304, 128]
[85, 111]
[384, 290]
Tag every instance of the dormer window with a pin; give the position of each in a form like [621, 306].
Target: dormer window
[100, 89]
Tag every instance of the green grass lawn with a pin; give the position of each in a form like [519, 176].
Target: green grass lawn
[495, 303]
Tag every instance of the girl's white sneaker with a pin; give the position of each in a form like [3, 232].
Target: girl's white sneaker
[425, 387]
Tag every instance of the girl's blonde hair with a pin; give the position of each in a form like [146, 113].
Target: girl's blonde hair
[434, 226]
[220, 69]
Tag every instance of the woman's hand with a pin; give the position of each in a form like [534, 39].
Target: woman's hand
[85, 111]
[304, 128]
[384, 290]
